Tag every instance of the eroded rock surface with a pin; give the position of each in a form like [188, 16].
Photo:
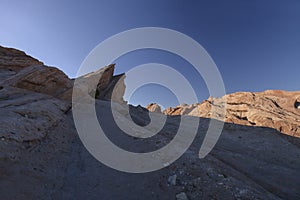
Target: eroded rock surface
[41, 79]
[272, 108]
[15, 60]
[154, 107]
[42, 157]
[101, 84]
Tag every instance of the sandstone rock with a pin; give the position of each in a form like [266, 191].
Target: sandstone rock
[154, 107]
[15, 60]
[28, 116]
[109, 87]
[105, 73]
[173, 111]
[35, 143]
[20, 70]
[115, 90]
[272, 108]
[42, 157]
[42, 79]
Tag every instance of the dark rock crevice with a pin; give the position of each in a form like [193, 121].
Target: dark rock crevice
[297, 104]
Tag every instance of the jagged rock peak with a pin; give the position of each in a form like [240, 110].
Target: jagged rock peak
[154, 107]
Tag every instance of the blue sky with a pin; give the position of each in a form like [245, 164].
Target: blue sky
[255, 44]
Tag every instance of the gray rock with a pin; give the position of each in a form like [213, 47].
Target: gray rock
[172, 180]
[181, 196]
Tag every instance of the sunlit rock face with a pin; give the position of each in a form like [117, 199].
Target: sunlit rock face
[272, 108]
[42, 79]
[22, 71]
[154, 107]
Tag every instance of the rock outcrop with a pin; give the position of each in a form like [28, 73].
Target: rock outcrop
[19, 70]
[154, 107]
[42, 79]
[35, 98]
[12, 61]
[30, 92]
[272, 108]
[42, 157]
[22, 71]
[15, 60]
[114, 90]
[102, 84]
[28, 116]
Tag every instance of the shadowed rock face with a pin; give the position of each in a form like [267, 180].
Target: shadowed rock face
[272, 108]
[114, 90]
[15, 60]
[12, 61]
[297, 104]
[102, 84]
[42, 157]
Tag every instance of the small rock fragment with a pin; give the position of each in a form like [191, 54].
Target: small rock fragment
[181, 196]
[172, 180]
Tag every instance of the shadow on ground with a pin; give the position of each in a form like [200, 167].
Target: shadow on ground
[246, 163]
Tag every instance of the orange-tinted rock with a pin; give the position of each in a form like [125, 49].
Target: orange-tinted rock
[42, 79]
[272, 108]
[154, 107]
[22, 71]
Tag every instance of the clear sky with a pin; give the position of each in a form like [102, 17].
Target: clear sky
[255, 44]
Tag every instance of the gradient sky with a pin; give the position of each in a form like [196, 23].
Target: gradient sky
[255, 44]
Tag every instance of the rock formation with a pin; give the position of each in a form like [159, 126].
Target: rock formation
[34, 98]
[42, 157]
[41, 79]
[22, 71]
[272, 108]
[154, 107]
[102, 84]
[114, 90]
[15, 60]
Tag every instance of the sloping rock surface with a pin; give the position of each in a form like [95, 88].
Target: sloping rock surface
[15, 60]
[41, 79]
[42, 157]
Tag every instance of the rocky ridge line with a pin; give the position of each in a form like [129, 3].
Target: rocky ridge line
[272, 108]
